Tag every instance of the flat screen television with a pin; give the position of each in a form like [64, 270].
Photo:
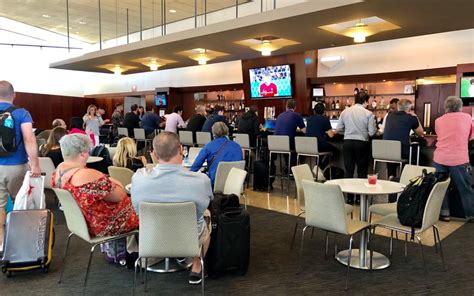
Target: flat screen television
[318, 92]
[271, 82]
[467, 87]
[161, 100]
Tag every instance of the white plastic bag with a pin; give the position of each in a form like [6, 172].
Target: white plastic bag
[31, 194]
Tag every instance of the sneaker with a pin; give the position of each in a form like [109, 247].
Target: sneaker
[195, 278]
[444, 218]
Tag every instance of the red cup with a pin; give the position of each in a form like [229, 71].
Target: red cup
[372, 179]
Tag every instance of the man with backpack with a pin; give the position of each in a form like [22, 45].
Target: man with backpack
[17, 148]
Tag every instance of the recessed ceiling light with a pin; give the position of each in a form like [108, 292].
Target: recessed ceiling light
[77, 33]
[46, 15]
[172, 11]
[82, 22]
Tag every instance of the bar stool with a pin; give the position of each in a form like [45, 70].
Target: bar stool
[244, 141]
[186, 138]
[279, 145]
[122, 131]
[308, 146]
[202, 138]
[387, 151]
[141, 137]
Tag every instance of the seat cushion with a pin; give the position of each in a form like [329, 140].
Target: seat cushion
[391, 221]
[383, 209]
[354, 226]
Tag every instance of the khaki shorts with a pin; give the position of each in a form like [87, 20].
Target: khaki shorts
[11, 179]
[206, 231]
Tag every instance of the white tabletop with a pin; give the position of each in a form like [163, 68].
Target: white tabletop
[93, 159]
[190, 164]
[128, 187]
[361, 186]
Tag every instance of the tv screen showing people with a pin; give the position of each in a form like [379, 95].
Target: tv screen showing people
[270, 82]
[161, 100]
[467, 87]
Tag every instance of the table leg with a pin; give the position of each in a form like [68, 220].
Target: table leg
[360, 258]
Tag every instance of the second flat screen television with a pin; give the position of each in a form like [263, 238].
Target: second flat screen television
[271, 82]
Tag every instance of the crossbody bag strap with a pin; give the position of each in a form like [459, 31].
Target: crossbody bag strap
[209, 163]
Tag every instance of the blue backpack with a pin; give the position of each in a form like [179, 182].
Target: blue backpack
[7, 132]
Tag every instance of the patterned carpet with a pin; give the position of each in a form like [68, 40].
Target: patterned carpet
[271, 271]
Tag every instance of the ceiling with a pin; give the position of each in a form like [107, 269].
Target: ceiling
[84, 15]
[298, 22]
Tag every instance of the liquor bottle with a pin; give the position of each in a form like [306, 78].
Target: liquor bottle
[348, 103]
[337, 105]
[333, 105]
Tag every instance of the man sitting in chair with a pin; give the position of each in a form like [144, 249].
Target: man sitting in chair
[170, 182]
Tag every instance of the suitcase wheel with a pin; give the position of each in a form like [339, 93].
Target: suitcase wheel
[9, 274]
[4, 269]
[45, 269]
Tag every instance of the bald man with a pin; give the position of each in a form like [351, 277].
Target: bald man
[14, 165]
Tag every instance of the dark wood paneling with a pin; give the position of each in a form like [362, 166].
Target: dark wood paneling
[45, 108]
[301, 87]
[434, 94]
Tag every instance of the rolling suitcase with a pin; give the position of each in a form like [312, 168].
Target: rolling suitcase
[230, 243]
[29, 238]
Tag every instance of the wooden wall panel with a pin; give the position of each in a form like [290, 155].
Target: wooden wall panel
[45, 108]
[301, 87]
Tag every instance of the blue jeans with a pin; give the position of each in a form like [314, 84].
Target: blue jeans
[460, 174]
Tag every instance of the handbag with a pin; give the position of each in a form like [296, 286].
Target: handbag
[31, 194]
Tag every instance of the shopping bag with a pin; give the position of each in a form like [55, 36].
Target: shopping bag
[31, 194]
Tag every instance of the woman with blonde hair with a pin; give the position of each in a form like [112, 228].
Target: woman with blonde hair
[126, 155]
[92, 122]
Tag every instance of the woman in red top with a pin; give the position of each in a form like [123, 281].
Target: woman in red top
[106, 206]
[76, 124]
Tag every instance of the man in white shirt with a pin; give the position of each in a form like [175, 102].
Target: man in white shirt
[357, 124]
[174, 120]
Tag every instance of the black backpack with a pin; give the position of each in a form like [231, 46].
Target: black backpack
[411, 203]
[7, 132]
[103, 165]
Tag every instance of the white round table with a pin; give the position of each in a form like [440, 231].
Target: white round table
[93, 159]
[361, 257]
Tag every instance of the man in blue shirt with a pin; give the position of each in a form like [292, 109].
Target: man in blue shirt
[219, 149]
[398, 127]
[217, 116]
[150, 121]
[286, 125]
[319, 126]
[14, 166]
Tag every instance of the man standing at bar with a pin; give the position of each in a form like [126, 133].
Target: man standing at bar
[13, 166]
[357, 124]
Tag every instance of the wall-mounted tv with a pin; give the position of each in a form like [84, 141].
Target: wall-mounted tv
[161, 100]
[271, 82]
[467, 87]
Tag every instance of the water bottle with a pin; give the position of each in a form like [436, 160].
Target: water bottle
[185, 154]
[8, 122]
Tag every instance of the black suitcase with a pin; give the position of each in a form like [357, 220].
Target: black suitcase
[260, 175]
[29, 238]
[456, 208]
[230, 243]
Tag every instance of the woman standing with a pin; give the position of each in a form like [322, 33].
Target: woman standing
[455, 129]
[92, 123]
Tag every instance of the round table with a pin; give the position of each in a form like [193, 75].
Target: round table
[93, 159]
[361, 257]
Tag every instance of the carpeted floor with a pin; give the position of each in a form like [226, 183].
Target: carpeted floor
[272, 268]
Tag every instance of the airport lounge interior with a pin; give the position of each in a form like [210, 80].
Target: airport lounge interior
[247, 147]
